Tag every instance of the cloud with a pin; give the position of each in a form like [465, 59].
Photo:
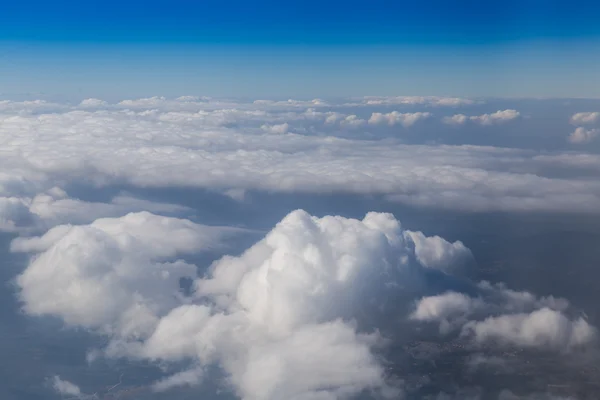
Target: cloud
[484, 119]
[93, 103]
[413, 100]
[582, 135]
[279, 129]
[219, 145]
[55, 207]
[65, 388]
[285, 319]
[540, 328]
[110, 275]
[191, 377]
[501, 315]
[436, 252]
[395, 117]
[583, 118]
[456, 119]
[444, 308]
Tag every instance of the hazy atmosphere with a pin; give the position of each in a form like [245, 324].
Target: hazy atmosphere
[299, 201]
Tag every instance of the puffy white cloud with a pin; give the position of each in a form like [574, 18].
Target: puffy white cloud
[110, 275]
[499, 116]
[506, 317]
[279, 129]
[64, 387]
[540, 328]
[583, 118]
[283, 320]
[395, 117]
[436, 252]
[456, 119]
[448, 309]
[582, 135]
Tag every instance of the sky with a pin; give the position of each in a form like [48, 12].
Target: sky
[107, 49]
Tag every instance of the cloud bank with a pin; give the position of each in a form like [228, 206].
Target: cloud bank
[288, 147]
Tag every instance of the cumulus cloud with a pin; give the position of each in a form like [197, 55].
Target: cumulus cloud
[583, 118]
[540, 328]
[501, 315]
[93, 103]
[279, 129]
[582, 135]
[446, 308]
[395, 118]
[497, 117]
[283, 320]
[457, 119]
[65, 388]
[110, 275]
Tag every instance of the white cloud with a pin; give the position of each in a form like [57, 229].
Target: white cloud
[109, 275]
[413, 100]
[395, 117]
[279, 129]
[582, 135]
[436, 252]
[349, 121]
[540, 328]
[484, 119]
[449, 309]
[281, 319]
[65, 388]
[583, 118]
[191, 377]
[498, 314]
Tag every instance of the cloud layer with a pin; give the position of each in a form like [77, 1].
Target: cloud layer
[290, 146]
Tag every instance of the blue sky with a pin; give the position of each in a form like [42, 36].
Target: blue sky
[302, 48]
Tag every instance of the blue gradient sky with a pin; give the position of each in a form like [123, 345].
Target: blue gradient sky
[308, 48]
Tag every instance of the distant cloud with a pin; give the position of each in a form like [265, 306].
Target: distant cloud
[583, 118]
[65, 388]
[395, 118]
[500, 315]
[412, 100]
[236, 147]
[540, 328]
[93, 103]
[484, 119]
[582, 135]
[279, 129]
